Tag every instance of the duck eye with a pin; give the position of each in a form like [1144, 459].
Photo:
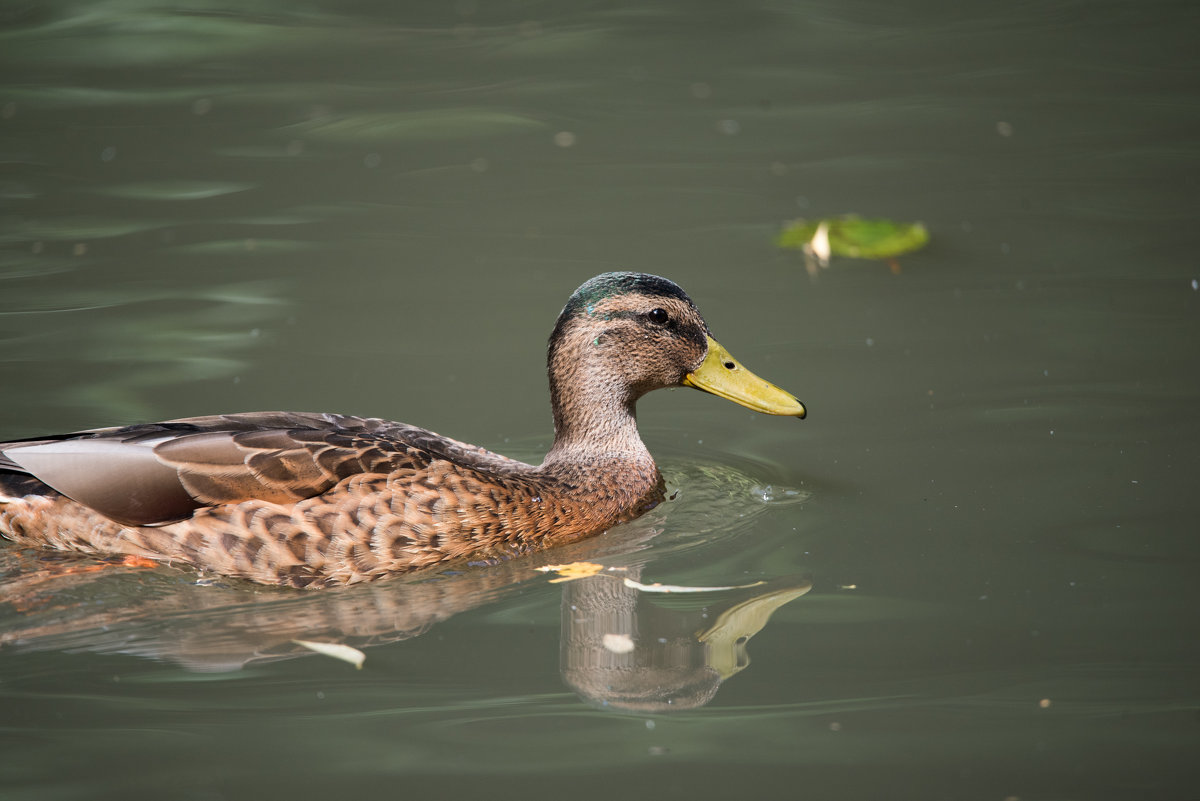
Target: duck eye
[658, 316]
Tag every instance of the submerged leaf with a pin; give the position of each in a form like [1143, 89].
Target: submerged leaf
[174, 190]
[405, 126]
[248, 245]
[854, 237]
[336, 650]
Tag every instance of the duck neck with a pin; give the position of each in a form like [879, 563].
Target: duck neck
[589, 432]
[594, 417]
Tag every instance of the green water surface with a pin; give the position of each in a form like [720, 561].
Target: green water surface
[379, 209]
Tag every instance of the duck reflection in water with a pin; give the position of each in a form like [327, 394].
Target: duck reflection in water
[621, 648]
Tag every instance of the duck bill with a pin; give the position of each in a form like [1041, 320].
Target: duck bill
[725, 377]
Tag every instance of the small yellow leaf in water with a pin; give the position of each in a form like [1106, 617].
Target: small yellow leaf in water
[335, 650]
[572, 571]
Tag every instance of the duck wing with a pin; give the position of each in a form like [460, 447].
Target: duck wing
[158, 473]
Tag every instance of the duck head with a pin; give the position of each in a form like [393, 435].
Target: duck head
[622, 335]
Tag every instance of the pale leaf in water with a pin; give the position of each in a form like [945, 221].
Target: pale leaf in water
[618, 643]
[819, 244]
[656, 587]
[336, 650]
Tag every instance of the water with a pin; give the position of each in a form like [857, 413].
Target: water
[380, 209]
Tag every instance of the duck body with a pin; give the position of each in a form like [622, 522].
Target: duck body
[314, 499]
[311, 500]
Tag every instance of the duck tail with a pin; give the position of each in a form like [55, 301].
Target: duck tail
[16, 482]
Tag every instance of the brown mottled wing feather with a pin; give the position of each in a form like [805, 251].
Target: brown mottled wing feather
[280, 465]
[183, 465]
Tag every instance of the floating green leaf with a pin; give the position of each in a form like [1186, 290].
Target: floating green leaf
[854, 237]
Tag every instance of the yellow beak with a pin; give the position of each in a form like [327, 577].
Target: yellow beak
[724, 376]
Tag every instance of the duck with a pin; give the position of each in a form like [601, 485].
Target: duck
[310, 500]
